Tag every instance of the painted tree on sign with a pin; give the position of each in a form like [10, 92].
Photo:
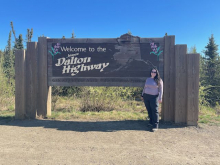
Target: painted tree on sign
[155, 50]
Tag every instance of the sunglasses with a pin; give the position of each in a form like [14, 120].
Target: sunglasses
[153, 72]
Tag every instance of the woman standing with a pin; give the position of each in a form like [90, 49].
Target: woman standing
[152, 96]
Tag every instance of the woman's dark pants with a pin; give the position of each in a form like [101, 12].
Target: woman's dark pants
[151, 103]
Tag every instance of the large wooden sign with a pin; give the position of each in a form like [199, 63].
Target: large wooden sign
[124, 61]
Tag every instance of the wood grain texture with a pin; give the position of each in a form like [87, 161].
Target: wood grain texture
[192, 89]
[44, 91]
[169, 80]
[31, 80]
[181, 84]
[19, 84]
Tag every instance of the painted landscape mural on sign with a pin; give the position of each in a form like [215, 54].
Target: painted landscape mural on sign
[123, 58]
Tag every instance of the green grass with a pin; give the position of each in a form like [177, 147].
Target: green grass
[102, 115]
[209, 115]
[7, 115]
[69, 109]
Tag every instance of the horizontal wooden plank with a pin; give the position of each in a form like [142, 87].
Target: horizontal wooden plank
[83, 40]
[156, 40]
[101, 40]
[90, 81]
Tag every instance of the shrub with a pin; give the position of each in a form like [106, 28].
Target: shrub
[98, 99]
[6, 92]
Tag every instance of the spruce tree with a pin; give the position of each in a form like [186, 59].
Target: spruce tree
[129, 32]
[192, 49]
[8, 63]
[29, 35]
[73, 35]
[1, 57]
[211, 56]
[20, 42]
[212, 70]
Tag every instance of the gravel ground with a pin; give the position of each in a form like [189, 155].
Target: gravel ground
[106, 142]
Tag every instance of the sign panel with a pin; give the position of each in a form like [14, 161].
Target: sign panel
[124, 61]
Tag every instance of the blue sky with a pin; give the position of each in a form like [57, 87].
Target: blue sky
[191, 21]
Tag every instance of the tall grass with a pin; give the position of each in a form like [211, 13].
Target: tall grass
[207, 113]
[97, 98]
[71, 108]
[7, 96]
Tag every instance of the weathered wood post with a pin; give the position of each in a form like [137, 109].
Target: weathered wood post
[192, 89]
[169, 79]
[20, 84]
[180, 83]
[44, 91]
[31, 80]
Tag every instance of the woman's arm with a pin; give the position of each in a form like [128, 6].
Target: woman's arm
[143, 89]
[161, 91]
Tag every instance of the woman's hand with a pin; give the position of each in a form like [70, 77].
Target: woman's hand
[160, 101]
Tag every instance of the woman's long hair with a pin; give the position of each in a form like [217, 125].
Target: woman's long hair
[157, 77]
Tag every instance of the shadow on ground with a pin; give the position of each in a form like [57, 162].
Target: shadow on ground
[86, 126]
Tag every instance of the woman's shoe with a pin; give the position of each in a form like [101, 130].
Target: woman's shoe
[154, 129]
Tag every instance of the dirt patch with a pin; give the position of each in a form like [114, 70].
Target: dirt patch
[106, 142]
